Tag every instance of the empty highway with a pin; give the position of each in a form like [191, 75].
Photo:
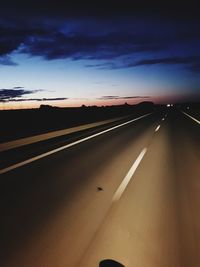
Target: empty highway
[128, 191]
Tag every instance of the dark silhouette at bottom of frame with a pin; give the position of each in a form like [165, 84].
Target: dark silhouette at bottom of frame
[110, 263]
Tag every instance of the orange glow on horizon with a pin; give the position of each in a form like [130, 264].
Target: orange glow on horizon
[89, 102]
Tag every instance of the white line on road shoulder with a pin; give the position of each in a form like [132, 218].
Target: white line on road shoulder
[53, 134]
[128, 177]
[191, 117]
[20, 164]
[157, 128]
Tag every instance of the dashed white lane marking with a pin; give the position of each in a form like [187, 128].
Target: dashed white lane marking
[191, 117]
[157, 128]
[128, 177]
[20, 164]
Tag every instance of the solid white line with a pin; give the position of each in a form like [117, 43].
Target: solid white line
[128, 177]
[46, 136]
[20, 164]
[191, 117]
[157, 128]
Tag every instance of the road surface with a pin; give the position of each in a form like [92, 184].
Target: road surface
[130, 194]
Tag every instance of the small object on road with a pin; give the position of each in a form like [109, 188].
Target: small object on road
[99, 188]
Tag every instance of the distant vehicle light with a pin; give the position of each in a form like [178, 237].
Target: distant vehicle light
[168, 105]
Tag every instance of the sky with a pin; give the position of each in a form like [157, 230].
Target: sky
[100, 53]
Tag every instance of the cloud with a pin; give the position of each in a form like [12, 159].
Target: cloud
[16, 93]
[169, 60]
[111, 97]
[12, 94]
[35, 99]
[49, 38]
[7, 61]
[116, 44]
[14, 32]
[192, 62]
[78, 46]
[52, 99]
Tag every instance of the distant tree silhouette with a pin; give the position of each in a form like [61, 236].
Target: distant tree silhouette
[46, 107]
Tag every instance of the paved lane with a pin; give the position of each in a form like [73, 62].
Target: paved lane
[157, 221]
[131, 195]
[46, 136]
[52, 208]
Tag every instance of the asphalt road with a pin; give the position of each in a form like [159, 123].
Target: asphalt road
[130, 194]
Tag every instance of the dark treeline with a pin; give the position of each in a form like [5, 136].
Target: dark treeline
[26, 122]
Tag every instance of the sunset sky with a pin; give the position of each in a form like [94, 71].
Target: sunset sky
[68, 55]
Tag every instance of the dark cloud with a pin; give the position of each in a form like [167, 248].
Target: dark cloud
[52, 31]
[169, 60]
[195, 67]
[107, 97]
[52, 99]
[110, 97]
[16, 93]
[78, 46]
[14, 33]
[192, 62]
[11, 94]
[34, 99]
